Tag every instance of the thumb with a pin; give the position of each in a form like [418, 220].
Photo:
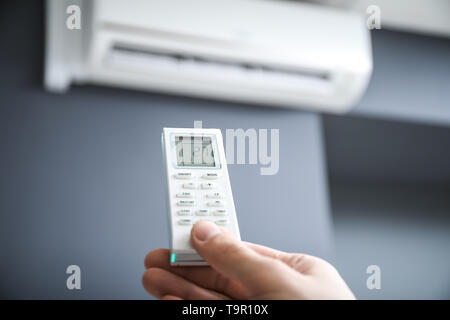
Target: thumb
[233, 258]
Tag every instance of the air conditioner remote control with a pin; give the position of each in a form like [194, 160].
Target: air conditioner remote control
[198, 188]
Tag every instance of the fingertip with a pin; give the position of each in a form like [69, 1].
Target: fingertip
[146, 280]
[156, 257]
[151, 280]
[203, 230]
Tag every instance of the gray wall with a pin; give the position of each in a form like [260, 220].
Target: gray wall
[390, 172]
[390, 196]
[410, 79]
[402, 228]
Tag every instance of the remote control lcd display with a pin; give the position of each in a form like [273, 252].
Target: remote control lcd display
[194, 151]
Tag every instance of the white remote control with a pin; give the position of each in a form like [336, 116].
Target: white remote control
[198, 188]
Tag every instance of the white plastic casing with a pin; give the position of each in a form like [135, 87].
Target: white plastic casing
[182, 253]
[275, 53]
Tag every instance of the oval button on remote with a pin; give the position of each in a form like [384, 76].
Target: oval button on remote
[184, 212]
[183, 175]
[215, 195]
[208, 185]
[220, 212]
[185, 221]
[222, 222]
[184, 195]
[216, 203]
[210, 176]
[189, 185]
[186, 203]
[202, 212]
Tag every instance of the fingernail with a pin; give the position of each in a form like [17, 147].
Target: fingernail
[204, 230]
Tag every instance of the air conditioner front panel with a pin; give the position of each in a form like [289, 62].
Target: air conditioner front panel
[259, 28]
[265, 52]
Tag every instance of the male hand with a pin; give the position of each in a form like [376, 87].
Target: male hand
[241, 270]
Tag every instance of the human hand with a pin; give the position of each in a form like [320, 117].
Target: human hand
[241, 270]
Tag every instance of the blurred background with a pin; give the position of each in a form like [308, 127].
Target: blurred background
[364, 120]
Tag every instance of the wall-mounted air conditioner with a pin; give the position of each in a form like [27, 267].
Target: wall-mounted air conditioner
[259, 51]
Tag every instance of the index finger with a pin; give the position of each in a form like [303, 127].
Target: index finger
[204, 276]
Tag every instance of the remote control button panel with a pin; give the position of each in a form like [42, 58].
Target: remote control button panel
[206, 200]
